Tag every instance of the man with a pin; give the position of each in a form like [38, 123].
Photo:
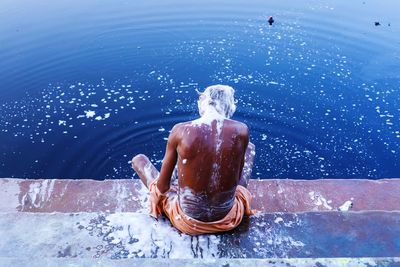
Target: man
[214, 160]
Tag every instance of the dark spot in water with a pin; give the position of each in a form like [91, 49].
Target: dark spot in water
[270, 20]
[377, 23]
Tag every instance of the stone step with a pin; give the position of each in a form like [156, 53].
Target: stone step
[146, 262]
[272, 195]
[134, 235]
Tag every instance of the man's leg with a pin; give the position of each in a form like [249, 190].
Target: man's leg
[248, 165]
[145, 169]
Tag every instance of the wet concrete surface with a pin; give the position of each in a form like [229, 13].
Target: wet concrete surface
[298, 262]
[268, 195]
[98, 221]
[134, 235]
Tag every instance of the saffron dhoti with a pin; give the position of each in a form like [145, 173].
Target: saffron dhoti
[161, 203]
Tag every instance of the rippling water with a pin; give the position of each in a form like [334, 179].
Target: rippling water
[86, 85]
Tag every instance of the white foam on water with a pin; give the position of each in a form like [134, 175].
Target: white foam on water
[90, 113]
[263, 137]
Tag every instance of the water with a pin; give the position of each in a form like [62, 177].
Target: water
[84, 86]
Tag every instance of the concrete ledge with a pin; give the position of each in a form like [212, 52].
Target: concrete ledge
[96, 221]
[269, 195]
[298, 262]
[136, 235]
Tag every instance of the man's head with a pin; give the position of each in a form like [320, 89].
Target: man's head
[219, 97]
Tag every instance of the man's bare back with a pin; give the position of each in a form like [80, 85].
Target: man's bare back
[210, 162]
[210, 154]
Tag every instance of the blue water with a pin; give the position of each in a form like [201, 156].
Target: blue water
[84, 86]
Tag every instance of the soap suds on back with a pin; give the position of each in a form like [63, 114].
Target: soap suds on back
[200, 203]
[216, 104]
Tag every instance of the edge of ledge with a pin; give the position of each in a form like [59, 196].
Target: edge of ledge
[127, 195]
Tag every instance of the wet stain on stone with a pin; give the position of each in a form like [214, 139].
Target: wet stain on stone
[66, 252]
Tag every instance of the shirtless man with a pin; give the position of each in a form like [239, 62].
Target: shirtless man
[214, 160]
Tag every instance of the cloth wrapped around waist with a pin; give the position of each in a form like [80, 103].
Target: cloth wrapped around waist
[161, 203]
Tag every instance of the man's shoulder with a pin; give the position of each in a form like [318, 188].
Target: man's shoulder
[181, 125]
[237, 123]
[240, 126]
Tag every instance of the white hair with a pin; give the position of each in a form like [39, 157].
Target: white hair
[220, 97]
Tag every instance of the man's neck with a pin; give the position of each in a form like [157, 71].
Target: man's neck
[212, 114]
[209, 115]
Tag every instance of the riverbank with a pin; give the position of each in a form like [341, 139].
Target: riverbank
[105, 223]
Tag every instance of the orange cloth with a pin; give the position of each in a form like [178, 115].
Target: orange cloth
[161, 203]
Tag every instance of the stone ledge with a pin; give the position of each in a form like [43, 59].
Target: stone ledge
[137, 235]
[274, 195]
[298, 262]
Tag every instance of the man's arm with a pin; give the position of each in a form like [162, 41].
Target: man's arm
[169, 162]
[245, 134]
